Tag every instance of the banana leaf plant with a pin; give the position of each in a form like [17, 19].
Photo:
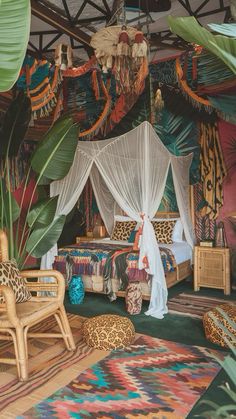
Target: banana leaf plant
[33, 227]
[224, 47]
[15, 19]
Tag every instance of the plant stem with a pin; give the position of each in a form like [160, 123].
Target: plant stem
[8, 185]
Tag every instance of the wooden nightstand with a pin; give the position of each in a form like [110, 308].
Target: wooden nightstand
[212, 268]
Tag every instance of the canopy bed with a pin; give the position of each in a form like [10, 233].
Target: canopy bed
[130, 172]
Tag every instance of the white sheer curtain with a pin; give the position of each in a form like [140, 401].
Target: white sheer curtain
[180, 171]
[69, 189]
[134, 168]
[105, 200]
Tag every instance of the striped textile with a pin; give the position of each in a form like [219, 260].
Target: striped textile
[50, 367]
[193, 305]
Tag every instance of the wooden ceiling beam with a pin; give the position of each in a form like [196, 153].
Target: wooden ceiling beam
[53, 19]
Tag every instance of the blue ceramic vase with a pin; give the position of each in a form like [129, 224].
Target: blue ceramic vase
[76, 290]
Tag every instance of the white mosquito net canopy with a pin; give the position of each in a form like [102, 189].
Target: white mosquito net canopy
[131, 171]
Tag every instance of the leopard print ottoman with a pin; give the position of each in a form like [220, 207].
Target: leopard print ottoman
[108, 332]
[213, 332]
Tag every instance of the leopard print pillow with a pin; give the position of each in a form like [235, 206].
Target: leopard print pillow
[10, 276]
[108, 331]
[163, 231]
[122, 230]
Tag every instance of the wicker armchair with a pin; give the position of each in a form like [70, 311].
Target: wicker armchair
[17, 319]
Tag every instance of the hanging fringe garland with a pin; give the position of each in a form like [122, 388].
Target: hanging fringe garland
[196, 100]
[92, 130]
[79, 71]
[41, 83]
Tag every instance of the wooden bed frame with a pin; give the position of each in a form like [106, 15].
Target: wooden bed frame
[181, 271]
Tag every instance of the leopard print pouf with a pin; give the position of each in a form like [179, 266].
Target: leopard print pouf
[108, 332]
[213, 332]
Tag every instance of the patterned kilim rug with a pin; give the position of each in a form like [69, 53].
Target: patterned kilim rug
[51, 367]
[193, 305]
[153, 378]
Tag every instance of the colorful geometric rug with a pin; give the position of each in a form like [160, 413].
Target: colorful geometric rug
[193, 305]
[51, 367]
[153, 378]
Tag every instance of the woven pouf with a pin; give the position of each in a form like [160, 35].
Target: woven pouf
[213, 332]
[108, 332]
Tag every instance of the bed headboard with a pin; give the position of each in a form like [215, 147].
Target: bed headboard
[166, 214]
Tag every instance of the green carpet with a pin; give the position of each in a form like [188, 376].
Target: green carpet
[176, 328]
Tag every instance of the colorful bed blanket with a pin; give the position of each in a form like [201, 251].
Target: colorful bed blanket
[107, 260]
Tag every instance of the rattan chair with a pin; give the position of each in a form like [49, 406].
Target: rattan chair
[17, 319]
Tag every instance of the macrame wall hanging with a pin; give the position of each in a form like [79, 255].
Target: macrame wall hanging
[122, 50]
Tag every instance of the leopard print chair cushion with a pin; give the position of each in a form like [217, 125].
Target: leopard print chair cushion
[122, 230]
[163, 231]
[108, 332]
[213, 332]
[10, 276]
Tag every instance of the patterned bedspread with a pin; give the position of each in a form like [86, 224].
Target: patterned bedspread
[107, 260]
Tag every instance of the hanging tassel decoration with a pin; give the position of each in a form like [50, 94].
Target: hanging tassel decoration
[95, 84]
[158, 101]
[63, 56]
[139, 48]
[123, 47]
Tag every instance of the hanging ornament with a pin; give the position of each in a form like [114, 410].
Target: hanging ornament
[123, 47]
[158, 101]
[139, 48]
[63, 56]
[114, 49]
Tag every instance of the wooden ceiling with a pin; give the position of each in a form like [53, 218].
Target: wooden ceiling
[74, 21]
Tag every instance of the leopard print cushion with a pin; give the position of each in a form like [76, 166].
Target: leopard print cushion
[213, 332]
[10, 276]
[122, 230]
[108, 332]
[163, 231]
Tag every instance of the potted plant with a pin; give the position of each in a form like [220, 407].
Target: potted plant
[33, 228]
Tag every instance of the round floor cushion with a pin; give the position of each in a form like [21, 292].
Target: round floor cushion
[108, 332]
[213, 332]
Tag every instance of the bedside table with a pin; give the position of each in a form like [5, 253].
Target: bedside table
[212, 268]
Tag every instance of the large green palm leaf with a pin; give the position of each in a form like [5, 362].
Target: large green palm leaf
[14, 36]
[221, 46]
[53, 156]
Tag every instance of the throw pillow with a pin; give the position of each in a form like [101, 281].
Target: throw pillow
[10, 276]
[122, 230]
[163, 231]
[177, 235]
